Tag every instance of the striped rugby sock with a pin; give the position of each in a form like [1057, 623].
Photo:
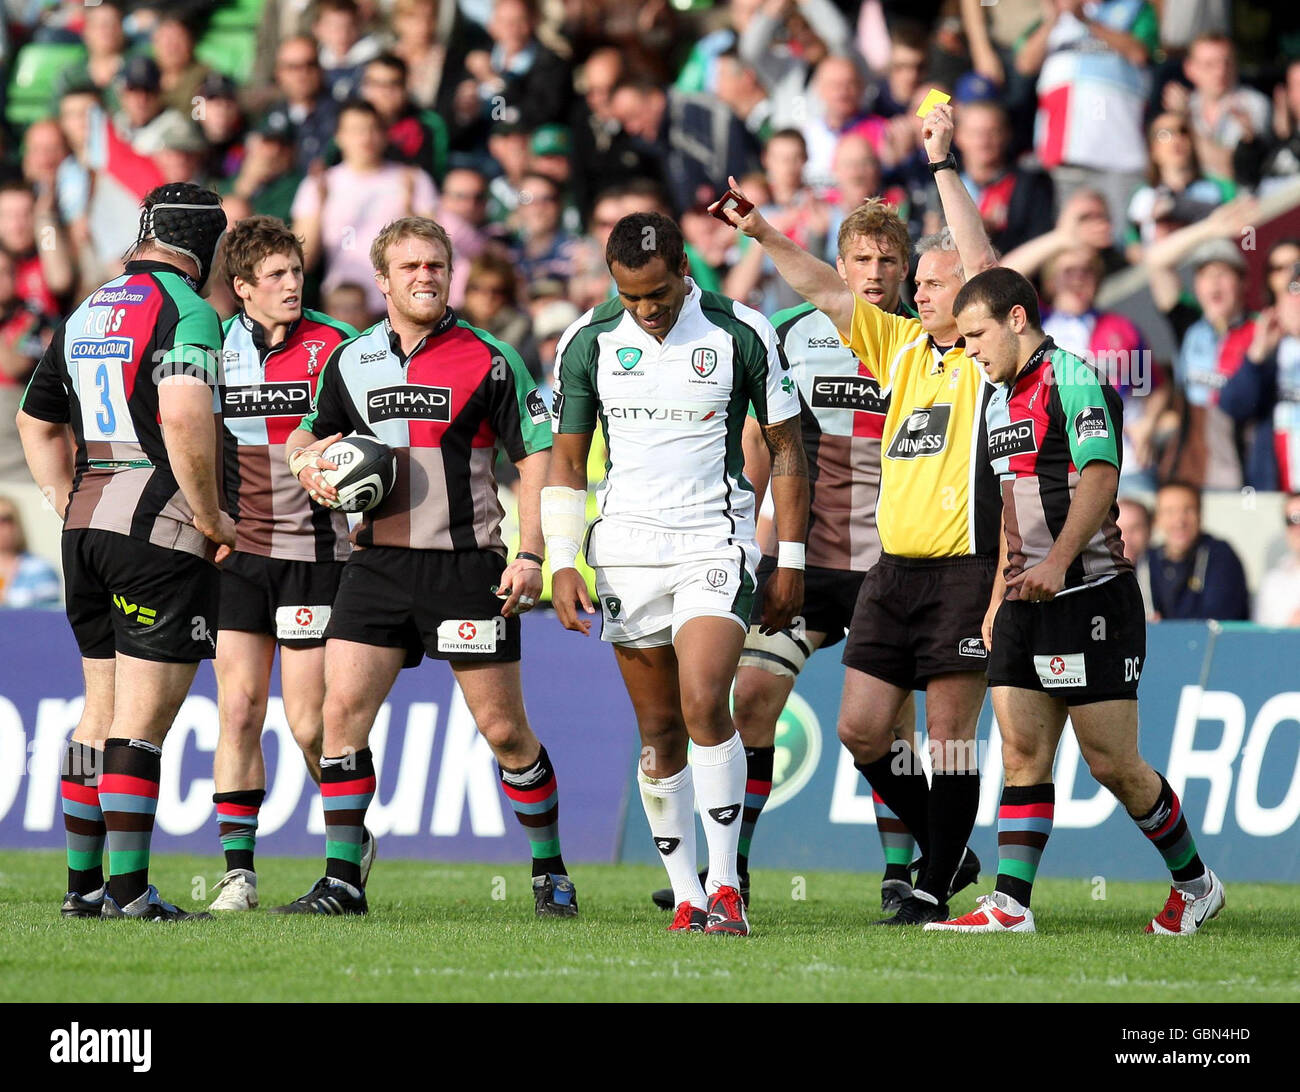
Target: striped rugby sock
[899, 779]
[895, 839]
[347, 785]
[128, 795]
[83, 819]
[758, 787]
[1167, 830]
[1024, 825]
[237, 825]
[535, 796]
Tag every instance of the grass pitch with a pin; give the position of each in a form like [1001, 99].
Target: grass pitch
[440, 932]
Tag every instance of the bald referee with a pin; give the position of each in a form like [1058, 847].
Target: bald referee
[917, 622]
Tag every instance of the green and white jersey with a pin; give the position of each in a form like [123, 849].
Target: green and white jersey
[673, 411]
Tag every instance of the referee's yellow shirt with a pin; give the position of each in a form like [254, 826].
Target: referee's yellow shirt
[938, 494]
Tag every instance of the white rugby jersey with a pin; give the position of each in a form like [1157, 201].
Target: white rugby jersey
[673, 411]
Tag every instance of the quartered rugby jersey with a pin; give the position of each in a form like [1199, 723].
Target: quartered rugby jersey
[101, 374]
[938, 496]
[443, 409]
[1054, 418]
[265, 393]
[674, 411]
[842, 420]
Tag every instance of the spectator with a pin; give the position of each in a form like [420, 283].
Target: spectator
[709, 246]
[1213, 334]
[43, 274]
[700, 72]
[548, 154]
[225, 129]
[268, 178]
[140, 95]
[837, 90]
[26, 582]
[338, 210]
[697, 140]
[306, 103]
[908, 46]
[1265, 391]
[1193, 575]
[1265, 160]
[509, 147]
[1176, 191]
[344, 48]
[813, 29]
[24, 334]
[993, 31]
[1084, 221]
[433, 37]
[1278, 601]
[346, 301]
[462, 211]
[1015, 203]
[105, 43]
[546, 248]
[177, 148]
[492, 305]
[549, 324]
[1134, 522]
[1090, 59]
[181, 74]
[415, 136]
[739, 87]
[1222, 111]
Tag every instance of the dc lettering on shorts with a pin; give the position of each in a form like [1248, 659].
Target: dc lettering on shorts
[1059, 672]
[471, 634]
[301, 623]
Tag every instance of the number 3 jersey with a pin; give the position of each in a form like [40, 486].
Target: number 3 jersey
[101, 375]
[673, 411]
[265, 393]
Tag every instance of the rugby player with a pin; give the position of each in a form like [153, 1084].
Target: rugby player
[916, 624]
[278, 584]
[670, 372]
[121, 428]
[842, 414]
[429, 563]
[1065, 628]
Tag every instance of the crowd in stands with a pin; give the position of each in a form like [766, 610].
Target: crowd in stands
[1097, 137]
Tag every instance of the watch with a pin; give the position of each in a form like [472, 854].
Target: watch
[949, 162]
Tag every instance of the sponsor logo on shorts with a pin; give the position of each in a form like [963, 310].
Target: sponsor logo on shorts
[471, 634]
[301, 623]
[860, 393]
[703, 362]
[972, 646]
[107, 348]
[667, 845]
[114, 297]
[1016, 438]
[1090, 424]
[1057, 672]
[613, 607]
[536, 406]
[925, 432]
[716, 577]
[145, 616]
[725, 815]
[266, 400]
[628, 358]
[409, 402]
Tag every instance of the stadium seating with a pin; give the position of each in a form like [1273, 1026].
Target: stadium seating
[231, 52]
[37, 68]
[237, 15]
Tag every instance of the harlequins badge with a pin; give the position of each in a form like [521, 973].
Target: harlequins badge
[313, 351]
[703, 361]
[628, 358]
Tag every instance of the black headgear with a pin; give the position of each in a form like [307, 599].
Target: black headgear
[185, 219]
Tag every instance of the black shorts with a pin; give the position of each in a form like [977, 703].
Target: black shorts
[917, 617]
[828, 598]
[1084, 646]
[287, 600]
[130, 596]
[434, 602]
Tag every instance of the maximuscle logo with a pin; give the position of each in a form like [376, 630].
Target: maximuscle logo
[267, 400]
[410, 403]
[925, 432]
[852, 392]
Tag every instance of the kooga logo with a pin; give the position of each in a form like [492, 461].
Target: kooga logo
[924, 432]
[409, 403]
[852, 392]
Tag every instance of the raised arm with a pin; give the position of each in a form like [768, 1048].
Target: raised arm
[1164, 256]
[964, 220]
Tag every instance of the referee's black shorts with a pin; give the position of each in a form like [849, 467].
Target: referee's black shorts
[918, 617]
[134, 597]
[1082, 647]
[438, 603]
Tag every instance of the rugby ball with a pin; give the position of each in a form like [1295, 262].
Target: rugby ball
[366, 471]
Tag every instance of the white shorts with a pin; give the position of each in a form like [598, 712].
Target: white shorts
[650, 583]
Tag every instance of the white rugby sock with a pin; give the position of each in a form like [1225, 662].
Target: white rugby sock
[669, 804]
[720, 785]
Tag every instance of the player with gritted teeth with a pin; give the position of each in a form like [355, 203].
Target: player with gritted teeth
[278, 585]
[429, 571]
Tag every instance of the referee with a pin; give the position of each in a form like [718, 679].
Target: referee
[917, 621]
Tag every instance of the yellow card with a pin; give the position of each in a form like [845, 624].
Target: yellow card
[933, 99]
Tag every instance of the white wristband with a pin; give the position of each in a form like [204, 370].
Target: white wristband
[790, 555]
[564, 522]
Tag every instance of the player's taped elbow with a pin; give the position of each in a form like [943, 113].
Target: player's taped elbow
[564, 522]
